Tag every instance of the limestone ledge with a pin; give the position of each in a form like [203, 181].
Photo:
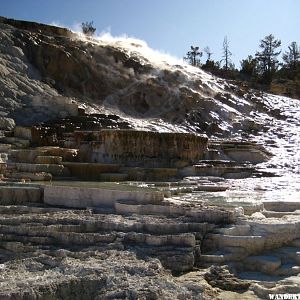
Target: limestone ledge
[203, 214]
[30, 155]
[133, 147]
[16, 195]
[92, 197]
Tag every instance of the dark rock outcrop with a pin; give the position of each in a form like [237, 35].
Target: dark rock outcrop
[141, 148]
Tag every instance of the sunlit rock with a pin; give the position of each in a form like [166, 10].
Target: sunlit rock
[6, 123]
[82, 197]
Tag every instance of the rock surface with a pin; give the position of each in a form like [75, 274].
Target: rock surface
[76, 251]
[142, 148]
[51, 73]
[197, 229]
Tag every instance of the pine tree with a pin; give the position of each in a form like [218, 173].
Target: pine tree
[193, 56]
[88, 28]
[267, 58]
[292, 56]
[249, 66]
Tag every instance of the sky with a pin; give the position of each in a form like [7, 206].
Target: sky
[172, 26]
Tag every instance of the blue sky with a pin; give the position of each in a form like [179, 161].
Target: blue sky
[172, 26]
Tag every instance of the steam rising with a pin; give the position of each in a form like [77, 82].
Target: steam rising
[159, 59]
[132, 44]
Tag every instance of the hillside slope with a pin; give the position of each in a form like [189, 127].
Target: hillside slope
[46, 72]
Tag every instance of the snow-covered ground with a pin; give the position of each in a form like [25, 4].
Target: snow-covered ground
[282, 139]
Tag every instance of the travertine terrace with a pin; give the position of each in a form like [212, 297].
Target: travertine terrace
[125, 177]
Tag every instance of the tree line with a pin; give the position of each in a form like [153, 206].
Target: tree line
[262, 70]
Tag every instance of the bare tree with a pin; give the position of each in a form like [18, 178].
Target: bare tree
[208, 53]
[292, 56]
[226, 54]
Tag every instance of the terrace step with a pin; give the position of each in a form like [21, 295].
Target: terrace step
[44, 159]
[250, 243]
[25, 155]
[233, 172]
[221, 163]
[235, 230]
[211, 188]
[91, 171]
[15, 141]
[40, 176]
[174, 243]
[98, 196]
[40, 217]
[54, 169]
[67, 154]
[282, 206]
[237, 151]
[150, 174]
[206, 260]
[43, 237]
[18, 194]
[262, 263]
[113, 177]
[125, 207]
